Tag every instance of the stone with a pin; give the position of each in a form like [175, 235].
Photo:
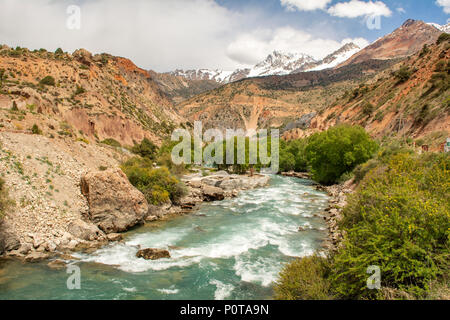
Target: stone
[153, 254]
[56, 264]
[82, 230]
[9, 242]
[114, 204]
[25, 248]
[36, 256]
[114, 237]
[213, 193]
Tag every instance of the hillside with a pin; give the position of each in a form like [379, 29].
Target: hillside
[274, 100]
[403, 42]
[82, 96]
[409, 100]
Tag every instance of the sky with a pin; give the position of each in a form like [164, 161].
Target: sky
[165, 35]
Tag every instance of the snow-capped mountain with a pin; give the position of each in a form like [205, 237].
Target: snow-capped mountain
[337, 57]
[280, 63]
[276, 63]
[444, 28]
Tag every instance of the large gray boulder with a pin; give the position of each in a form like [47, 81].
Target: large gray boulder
[114, 204]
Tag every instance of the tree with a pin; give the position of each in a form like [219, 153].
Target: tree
[337, 151]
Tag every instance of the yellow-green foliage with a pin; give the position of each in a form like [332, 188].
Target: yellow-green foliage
[158, 185]
[399, 220]
[304, 279]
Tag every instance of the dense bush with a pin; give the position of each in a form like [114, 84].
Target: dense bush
[158, 185]
[35, 129]
[403, 74]
[398, 220]
[337, 151]
[112, 142]
[146, 149]
[293, 156]
[445, 37]
[304, 279]
[48, 81]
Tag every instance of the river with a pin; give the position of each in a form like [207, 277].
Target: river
[233, 249]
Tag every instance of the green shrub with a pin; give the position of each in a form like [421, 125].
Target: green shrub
[337, 151]
[14, 107]
[399, 220]
[79, 90]
[368, 109]
[158, 185]
[48, 81]
[445, 37]
[35, 129]
[403, 74]
[59, 51]
[146, 149]
[304, 279]
[112, 142]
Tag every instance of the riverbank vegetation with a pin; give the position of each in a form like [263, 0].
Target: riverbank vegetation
[399, 220]
[328, 155]
[159, 184]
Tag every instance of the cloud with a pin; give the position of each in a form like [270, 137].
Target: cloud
[401, 10]
[305, 5]
[356, 8]
[160, 35]
[445, 4]
[251, 48]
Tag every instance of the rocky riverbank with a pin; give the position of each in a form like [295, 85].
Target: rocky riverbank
[68, 200]
[333, 213]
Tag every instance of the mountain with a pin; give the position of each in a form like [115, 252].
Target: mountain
[403, 42]
[279, 63]
[410, 100]
[273, 101]
[284, 101]
[93, 97]
[444, 28]
[276, 63]
[336, 58]
[178, 88]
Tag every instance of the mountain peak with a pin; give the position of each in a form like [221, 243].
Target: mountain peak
[409, 23]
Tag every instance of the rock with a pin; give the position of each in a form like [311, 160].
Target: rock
[114, 237]
[37, 242]
[114, 204]
[36, 256]
[82, 230]
[56, 264]
[25, 248]
[213, 193]
[9, 242]
[153, 254]
[72, 244]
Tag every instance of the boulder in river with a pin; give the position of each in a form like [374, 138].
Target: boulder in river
[114, 204]
[153, 254]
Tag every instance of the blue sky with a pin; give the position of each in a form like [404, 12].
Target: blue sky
[167, 34]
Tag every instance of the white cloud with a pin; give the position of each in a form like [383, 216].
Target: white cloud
[156, 34]
[356, 8]
[251, 48]
[401, 10]
[445, 4]
[305, 5]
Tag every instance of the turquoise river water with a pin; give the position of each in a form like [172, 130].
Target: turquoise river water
[233, 249]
